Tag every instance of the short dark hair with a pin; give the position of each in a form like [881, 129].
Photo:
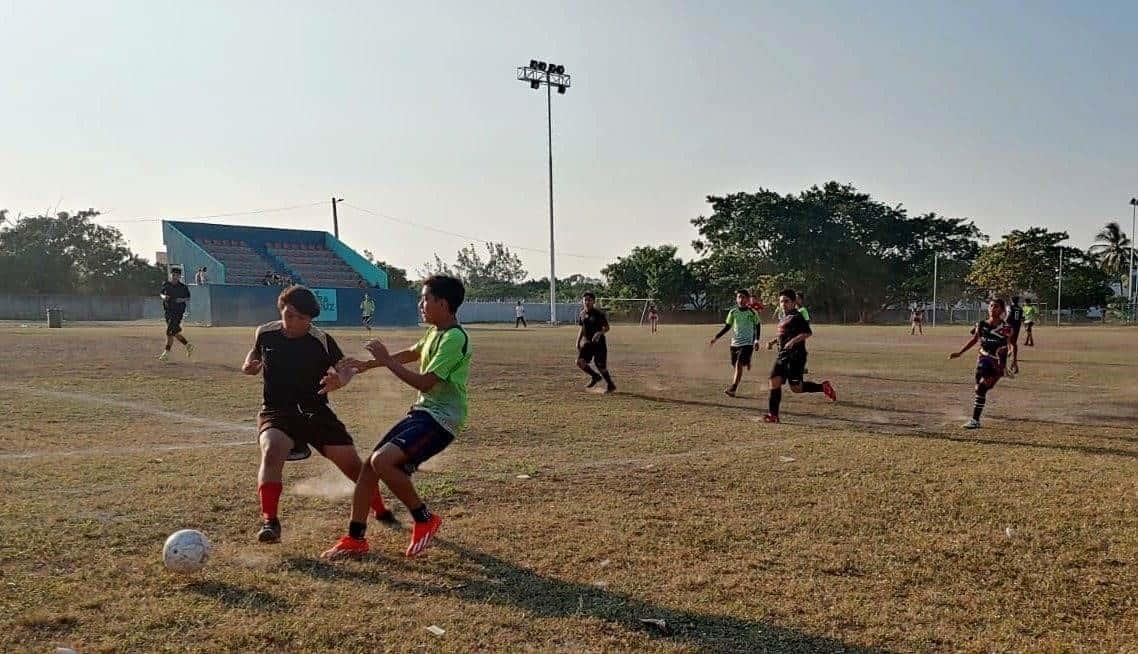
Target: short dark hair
[175, 271]
[445, 287]
[589, 294]
[788, 293]
[742, 291]
[301, 299]
[1015, 298]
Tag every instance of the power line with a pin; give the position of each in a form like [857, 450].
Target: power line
[379, 214]
[221, 215]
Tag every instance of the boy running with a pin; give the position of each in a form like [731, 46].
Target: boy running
[300, 364]
[790, 362]
[174, 296]
[995, 338]
[1030, 312]
[1015, 320]
[591, 345]
[367, 310]
[743, 323]
[916, 321]
[437, 416]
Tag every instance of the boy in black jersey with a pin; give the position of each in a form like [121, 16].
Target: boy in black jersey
[300, 365]
[790, 362]
[1015, 320]
[995, 338]
[591, 345]
[175, 296]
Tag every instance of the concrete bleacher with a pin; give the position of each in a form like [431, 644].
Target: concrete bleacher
[243, 265]
[316, 265]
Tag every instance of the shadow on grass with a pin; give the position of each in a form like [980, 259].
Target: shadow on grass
[238, 597]
[487, 579]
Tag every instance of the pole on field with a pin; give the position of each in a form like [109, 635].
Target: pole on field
[935, 257]
[1059, 301]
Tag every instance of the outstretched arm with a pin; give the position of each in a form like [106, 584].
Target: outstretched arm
[726, 328]
[967, 346]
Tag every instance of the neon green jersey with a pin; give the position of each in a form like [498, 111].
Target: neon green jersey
[447, 354]
[367, 307]
[1029, 313]
[744, 325]
[805, 313]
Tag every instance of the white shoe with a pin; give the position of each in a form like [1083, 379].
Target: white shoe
[972, 424]
[165, 356]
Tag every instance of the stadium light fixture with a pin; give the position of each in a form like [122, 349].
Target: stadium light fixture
[538, 74]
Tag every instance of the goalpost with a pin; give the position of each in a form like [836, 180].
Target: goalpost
[626, 309]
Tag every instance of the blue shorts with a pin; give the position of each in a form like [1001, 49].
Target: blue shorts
[420, 437]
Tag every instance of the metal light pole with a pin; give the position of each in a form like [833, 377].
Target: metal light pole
[1130, 279]
[1059, 300]
[335, 217]
[935, 257]
[538, 74]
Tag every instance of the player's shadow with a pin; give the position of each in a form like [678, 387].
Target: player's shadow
[482, 578]
[238, 597]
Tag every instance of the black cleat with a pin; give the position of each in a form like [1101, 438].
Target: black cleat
[611, 388]
[270, 532]
[594, 382]
[299, 452]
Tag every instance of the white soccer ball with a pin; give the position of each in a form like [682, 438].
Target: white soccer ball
[186, 551]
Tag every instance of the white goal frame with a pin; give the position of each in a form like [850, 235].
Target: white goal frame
[603, 301]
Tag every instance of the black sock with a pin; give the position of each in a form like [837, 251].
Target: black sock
[608, 378]
[979, 402]
[775, 400]
[592, 373]
[357, 529]
[421, 514]
[811, 387]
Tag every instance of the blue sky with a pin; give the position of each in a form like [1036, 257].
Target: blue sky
[1012, 114]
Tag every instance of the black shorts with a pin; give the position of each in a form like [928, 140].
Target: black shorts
[989, 369]
[1028, 325]
[1015, 332]
[791, 369]
[741, 354]
[366, 319]
[594, 352]
[419, 436]
[174, 322]
[317, 427]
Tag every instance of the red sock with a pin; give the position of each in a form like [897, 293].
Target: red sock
[270, 493]
[377, 502]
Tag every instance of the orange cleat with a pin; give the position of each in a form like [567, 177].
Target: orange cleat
[829, 392]
[770, 417]
[347, 548]
[422, 535]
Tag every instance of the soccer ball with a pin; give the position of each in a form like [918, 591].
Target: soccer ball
[186, 551]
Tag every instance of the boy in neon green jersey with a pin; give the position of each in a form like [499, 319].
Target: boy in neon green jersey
[743, 322]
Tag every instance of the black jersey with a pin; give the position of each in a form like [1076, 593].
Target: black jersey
[1015, 315]
[293, 367]
[593, 321]
[173, 291]
[790, 326]
[993, 338]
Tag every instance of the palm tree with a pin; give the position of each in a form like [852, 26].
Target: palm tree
[1112, 249]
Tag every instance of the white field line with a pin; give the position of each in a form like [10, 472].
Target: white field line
[135, 407]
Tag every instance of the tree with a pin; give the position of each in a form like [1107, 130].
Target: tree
[396, 276]
[654, 272]
[852, 253]
[436, 267]
[493, 277]
[1023, 261]
[68, 253]
[1111, 250]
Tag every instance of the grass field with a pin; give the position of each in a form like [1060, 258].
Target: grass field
[872, 524]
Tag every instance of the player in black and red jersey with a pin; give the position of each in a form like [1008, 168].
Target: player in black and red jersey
[790, 362]
[995, 339]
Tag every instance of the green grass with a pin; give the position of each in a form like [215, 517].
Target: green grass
[874, 523]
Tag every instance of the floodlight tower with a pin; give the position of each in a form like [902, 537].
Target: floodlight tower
[1133, 237]
[538, 74]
